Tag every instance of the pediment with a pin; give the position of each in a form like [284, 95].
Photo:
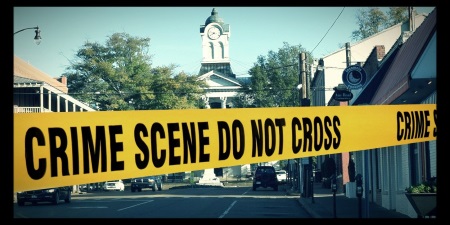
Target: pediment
[214, 79]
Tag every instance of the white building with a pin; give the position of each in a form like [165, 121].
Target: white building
[404, 72]
[335, 63]
[216, 66]
[216, 71]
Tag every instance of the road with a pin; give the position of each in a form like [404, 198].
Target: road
[187, 202]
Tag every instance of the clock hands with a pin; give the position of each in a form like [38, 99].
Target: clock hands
[214, 33]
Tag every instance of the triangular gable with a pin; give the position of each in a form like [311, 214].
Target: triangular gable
[218, 80]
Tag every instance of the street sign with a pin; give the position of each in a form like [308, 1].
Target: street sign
[342, 95]
[354, 77]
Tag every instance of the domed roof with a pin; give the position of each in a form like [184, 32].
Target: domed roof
[214, 18]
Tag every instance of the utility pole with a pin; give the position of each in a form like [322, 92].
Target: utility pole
[411, 16]
[305, 101]
[348, 53]
[304, 81]
[303, 73]
[365, 153]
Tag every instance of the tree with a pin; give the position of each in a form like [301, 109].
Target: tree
[373, 20]
[370, 22]
[398, 15]
[274, 79]
[119, 76]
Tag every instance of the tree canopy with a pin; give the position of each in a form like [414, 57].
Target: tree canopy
[119, 76]
[372, 20]
[274, 79]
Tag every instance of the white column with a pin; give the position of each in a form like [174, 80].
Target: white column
[209, 177]
[224, 102]
[57, 103]
[49, 100]
[206, 100]
[41, 98]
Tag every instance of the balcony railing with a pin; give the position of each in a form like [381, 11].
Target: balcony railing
[29, 109]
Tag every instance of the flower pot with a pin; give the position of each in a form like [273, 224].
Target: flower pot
[350, 189]
[423, 203]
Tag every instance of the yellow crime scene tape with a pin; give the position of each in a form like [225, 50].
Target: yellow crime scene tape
[69, 148]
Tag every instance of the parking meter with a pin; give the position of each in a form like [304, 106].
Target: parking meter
[359, 192]
[334, 189]
[359, 188]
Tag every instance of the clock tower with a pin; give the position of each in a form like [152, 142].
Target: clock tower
[222, 83]
[215, 35]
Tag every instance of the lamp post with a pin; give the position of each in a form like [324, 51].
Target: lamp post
[37, 37]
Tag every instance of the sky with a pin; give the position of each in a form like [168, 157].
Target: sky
[174, 32]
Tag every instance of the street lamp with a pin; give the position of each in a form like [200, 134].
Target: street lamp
[37, 38]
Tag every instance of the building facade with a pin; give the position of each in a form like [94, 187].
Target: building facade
[216, 66]
[399, 71]
[37, 92]
[408, 78]
[216, 71]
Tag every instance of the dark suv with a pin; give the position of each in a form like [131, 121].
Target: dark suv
[152, 182]
[265, 177]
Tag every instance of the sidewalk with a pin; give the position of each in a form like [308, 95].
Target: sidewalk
[323, 206]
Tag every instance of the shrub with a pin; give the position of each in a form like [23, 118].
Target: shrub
[428, 186]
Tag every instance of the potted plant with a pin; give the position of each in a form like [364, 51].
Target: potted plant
[423, 197]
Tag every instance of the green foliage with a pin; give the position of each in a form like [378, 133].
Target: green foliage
[425, 187]
[274, 79]
[119, 76]
[398, 15]
[372, 20]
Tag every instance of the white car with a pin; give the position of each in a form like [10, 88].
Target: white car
[114, 185]
[281, 176]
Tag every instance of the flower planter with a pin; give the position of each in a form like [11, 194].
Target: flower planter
[350, 189]
[423, 203]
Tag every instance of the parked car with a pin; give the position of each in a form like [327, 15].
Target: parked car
[114, 185]
[151, 182]
[83, 187]
[281, 176]
[91, 187]
[52, 195]
[265, 177]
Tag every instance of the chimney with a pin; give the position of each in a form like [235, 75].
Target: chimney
[63, 80]
[381, 52]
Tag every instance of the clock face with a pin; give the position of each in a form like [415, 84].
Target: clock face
[213, 33]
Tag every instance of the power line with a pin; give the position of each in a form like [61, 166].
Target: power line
[328, 30]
